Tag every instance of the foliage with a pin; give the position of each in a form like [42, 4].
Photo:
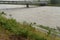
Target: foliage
[25, 29]
[44, 27]
[21, 29]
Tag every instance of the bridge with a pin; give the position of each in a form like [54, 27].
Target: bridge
[27, 3]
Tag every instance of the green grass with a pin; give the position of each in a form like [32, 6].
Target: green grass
[49, 29]
[24, 29]
[55, 5]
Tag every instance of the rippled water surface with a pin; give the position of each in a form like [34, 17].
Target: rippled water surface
[48, 16]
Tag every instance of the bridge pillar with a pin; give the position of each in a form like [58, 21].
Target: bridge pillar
[27, 5]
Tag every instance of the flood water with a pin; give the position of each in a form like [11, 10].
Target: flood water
[43, 15]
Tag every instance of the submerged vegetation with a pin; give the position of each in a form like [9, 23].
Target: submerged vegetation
[14, 30]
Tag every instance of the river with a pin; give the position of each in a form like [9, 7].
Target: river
[43, 15]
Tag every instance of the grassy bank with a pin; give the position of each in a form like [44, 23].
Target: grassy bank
[55, 5]
[10, 29]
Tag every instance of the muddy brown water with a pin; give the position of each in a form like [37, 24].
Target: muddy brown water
[43, 15]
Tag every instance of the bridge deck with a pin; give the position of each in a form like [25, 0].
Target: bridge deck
[20, 2]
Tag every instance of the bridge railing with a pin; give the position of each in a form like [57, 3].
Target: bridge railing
[27, 3]
[21, 2]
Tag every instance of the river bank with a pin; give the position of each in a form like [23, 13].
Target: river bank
[10, 29]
